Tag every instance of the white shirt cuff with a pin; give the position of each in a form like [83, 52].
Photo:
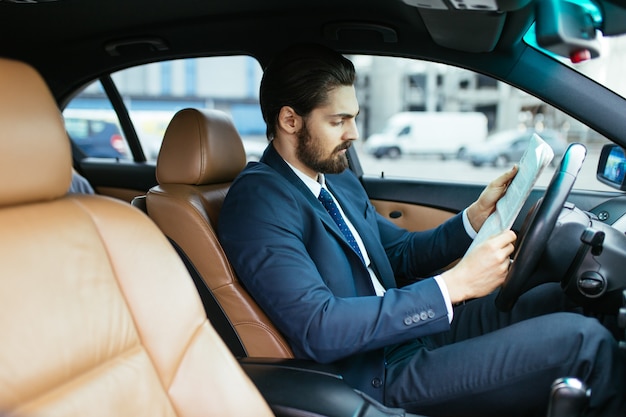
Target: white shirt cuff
[446, 296]
[468, 226]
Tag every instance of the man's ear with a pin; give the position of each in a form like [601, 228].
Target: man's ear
[289, 121]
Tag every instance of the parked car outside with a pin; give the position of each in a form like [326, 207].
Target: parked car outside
[443, 134]
[97, 138]
[506, 147]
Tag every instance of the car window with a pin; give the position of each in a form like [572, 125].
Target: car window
[458, 125]
[93, 126]
[417, 119]
[405, 131]
[153, 93]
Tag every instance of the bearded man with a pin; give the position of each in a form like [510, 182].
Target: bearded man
[311, 249]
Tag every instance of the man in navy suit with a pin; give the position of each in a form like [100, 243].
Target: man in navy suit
[425, 346]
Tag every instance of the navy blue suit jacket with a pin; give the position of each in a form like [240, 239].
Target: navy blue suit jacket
[293, 259]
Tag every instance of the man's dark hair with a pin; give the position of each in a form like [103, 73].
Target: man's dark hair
[301, 77]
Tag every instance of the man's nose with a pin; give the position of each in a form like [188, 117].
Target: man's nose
[352, 132]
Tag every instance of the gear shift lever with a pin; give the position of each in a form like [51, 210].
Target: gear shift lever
[568, 398]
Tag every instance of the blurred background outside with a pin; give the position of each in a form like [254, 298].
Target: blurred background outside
[387, 88]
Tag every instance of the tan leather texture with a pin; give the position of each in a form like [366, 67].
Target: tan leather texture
[410, 216]
[200, 147]
[187, 214]
[123, 194]
[35, 150]
[99, 315]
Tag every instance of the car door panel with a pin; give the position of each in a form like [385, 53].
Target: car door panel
[420, 204]
[417, 205]
[411, 216]
[119, 179]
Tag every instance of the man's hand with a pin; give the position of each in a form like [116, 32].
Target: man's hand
[478, 212]
[482, 270]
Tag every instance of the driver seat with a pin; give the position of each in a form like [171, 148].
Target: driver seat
[200, 156]
[98, 314]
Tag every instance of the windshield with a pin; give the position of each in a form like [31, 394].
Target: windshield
[607, 69]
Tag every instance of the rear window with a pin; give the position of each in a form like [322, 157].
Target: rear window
[153, 93]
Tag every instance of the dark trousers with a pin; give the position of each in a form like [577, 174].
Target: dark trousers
[502, 364]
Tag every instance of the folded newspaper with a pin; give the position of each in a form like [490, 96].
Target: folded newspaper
[538, 154]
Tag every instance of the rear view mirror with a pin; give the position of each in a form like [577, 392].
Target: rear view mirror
[566, 29]
[612, 166]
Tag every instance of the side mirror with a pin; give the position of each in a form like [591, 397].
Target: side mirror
[612, 167]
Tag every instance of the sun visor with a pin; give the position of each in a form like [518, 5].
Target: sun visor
[466, 25]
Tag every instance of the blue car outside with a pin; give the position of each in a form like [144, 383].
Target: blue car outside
[97, 138]
[506, 147]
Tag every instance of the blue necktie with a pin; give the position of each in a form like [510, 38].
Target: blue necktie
[333, 210]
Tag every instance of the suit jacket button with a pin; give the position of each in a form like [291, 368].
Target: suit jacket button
[431, 313]
[415, 318]
[377, 383]
[424, 315]
[408, 321]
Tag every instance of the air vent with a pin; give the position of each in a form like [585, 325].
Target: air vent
[136, 45]
[333, 30]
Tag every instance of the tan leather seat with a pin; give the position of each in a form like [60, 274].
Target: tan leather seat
[98, 314]
[200, 156]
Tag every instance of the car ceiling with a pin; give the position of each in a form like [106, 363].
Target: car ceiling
[68, 39]
[72, 42]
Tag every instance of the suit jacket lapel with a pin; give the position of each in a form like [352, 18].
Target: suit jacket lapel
[376, 252]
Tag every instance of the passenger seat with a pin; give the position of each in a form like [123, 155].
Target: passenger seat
[200, 156]
[98, 314]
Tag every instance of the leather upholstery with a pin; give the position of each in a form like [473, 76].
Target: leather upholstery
[200, 156]
[99, 316]
[200, 147]
[48, 173]
[410, 216]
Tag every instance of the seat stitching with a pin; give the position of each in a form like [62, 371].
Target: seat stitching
[123, 295]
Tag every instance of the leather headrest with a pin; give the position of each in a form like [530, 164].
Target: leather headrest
[200, 147]
[35, 155]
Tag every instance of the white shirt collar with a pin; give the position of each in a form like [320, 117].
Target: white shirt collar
[314, 186]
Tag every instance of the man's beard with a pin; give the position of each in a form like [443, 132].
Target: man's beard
[310, 153]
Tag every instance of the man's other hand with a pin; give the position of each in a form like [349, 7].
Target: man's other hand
[478, 212]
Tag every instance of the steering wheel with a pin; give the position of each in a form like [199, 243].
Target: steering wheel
[537, 228]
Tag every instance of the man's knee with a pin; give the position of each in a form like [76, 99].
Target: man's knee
[578, 324]
[591, 345]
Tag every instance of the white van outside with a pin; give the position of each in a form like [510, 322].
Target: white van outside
[444, 134]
